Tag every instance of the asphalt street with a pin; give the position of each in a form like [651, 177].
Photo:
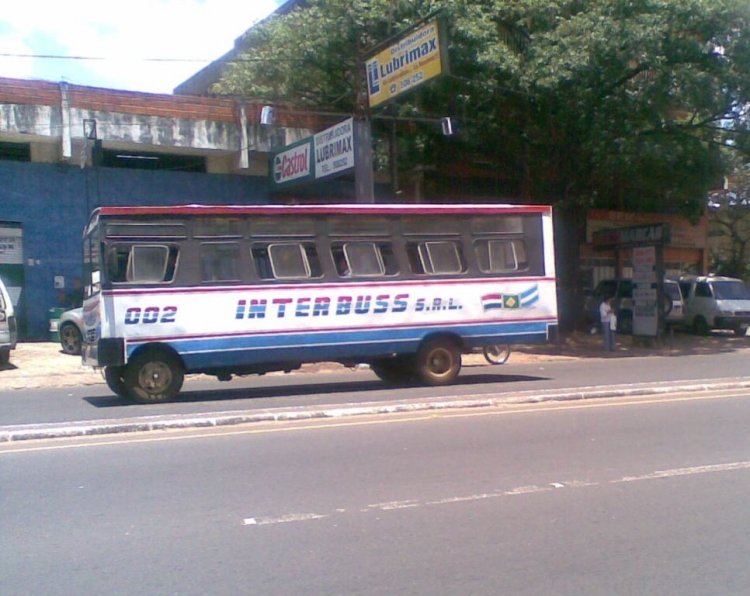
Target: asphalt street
[619, 496]
[92, 409]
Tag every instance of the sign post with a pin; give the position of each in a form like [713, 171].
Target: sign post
[399, 65]
[647, 244]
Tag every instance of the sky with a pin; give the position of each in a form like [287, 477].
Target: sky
[138, 45]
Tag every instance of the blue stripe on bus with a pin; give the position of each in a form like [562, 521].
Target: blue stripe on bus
[232, 351]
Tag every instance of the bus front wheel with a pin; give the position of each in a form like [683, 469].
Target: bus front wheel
[438, 362]
[115, 382]
[153, 376]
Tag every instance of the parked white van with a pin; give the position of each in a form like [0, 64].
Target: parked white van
[713, 302]
[8, 328]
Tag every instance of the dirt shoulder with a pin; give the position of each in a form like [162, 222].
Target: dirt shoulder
[42, 364]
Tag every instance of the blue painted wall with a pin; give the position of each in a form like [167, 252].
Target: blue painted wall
[52, 203]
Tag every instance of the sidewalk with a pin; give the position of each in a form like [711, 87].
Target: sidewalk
[43, 365]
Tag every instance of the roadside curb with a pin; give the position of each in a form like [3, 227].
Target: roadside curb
[28, 432]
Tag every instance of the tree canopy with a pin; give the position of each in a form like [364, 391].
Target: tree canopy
[610, 103]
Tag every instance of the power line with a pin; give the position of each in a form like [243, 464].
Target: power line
[100, 58]
[133, 58]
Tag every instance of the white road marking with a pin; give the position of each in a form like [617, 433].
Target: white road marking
[391, 505]
[519, 490]
[284, 519]
[478, 497]
[740, 465]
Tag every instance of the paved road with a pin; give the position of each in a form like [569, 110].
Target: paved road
[603, 497]
[310, 394]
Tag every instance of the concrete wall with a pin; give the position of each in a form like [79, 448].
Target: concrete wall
[52, 202]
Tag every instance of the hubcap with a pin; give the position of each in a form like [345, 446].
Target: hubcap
[440, 362]
[69, 338]
[155, 377]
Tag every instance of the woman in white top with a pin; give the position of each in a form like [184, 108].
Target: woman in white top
[609, 323]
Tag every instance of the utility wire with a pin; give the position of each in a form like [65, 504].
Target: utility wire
[113, 58]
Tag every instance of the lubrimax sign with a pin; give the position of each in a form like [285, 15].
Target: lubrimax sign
[329, 152]
[415, 58]
[334, 149]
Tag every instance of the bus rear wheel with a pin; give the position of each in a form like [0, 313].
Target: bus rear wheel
[153, 376]
[438, 362]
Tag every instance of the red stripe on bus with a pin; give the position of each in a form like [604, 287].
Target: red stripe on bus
[322, 209]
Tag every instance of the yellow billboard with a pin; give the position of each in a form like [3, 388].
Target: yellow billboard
[415, 58]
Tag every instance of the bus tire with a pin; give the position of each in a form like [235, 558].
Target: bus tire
[115, 382]
[395, 371]
[438, 362]
[153, 376]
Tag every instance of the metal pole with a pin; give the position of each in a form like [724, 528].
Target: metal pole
[364, 187]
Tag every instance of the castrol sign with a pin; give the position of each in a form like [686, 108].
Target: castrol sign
[294, 164]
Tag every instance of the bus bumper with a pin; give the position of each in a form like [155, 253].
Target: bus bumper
[105, 352]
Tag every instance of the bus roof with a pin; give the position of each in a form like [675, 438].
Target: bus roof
[338, 209]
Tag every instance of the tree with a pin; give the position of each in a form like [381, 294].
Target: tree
[608, 103]
[729, 226]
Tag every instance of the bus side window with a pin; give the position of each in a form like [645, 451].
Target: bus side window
[117, 263]
[364, 259]
[220, 261]
[151, 263]
[501, 256]
[141, 263]
[415, 261]
[287, 260]
[441, 257]
[262, 262]
[389, 259]
[312, 259]
[339, 260]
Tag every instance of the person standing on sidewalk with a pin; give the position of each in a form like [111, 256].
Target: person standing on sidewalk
[609, 323]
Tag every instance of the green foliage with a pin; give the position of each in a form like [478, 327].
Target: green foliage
[729, 225]
[612, 103]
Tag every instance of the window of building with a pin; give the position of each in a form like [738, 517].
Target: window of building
[15, 151]
[142, 160]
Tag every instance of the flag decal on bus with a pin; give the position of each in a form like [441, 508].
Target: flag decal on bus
[497, 300]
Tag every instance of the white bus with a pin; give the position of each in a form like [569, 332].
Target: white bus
[234, 290]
